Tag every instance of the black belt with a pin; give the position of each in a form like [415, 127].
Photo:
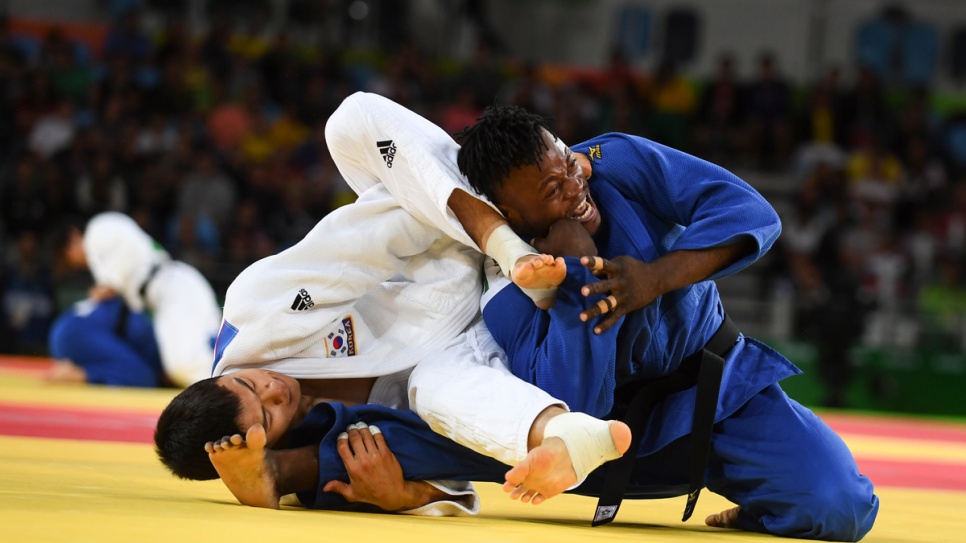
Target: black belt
[147, 280]
[704, 368]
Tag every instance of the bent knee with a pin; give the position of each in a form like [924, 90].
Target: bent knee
[67, 335]
[836, 512]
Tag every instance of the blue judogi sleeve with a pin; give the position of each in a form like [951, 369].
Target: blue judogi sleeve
[713, 205]
[554, 349]
[91, 335]
[423, 454]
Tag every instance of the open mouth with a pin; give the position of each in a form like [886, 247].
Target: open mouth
[584, 211]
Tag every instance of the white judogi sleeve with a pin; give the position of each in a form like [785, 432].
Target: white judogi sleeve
[374, 140]
[368, 292]
[120, 255]
[186, 316]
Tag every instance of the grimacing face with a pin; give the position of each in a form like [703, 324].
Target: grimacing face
[535, 196]
[268, 398]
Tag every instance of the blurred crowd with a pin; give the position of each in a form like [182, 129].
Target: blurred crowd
[215, 145]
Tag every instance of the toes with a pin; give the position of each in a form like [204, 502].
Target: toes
[529, 496]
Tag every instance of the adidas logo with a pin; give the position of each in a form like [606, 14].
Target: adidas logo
[302, 301]
[388, 150]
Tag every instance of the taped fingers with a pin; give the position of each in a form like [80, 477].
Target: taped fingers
[595, 263]
[607, 304]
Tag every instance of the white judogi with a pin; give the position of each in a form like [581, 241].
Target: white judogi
[375, 141]
[368, 292]
[184, 308]
[402, 273]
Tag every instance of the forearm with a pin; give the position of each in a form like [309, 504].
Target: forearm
[298, 469]
[477, 217]
[679, 269]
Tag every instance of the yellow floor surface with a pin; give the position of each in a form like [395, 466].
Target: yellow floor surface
[91, 491]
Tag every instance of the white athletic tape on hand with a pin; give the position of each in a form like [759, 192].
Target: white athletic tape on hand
[588, 441]
[506, 248]
[374, 430]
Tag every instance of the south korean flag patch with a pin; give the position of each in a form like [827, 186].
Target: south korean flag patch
[341, 340]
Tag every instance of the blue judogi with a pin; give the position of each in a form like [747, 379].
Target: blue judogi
[422, 453]
[91, 335]
[790, 472]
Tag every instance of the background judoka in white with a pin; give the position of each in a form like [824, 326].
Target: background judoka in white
[185, 311]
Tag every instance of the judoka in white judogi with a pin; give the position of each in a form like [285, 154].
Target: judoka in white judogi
[185, 313]
[376, 289]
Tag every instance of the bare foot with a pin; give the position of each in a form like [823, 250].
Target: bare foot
[725, 519]
[65, 371]
[246, 467]
[549, 469]
[538, 271]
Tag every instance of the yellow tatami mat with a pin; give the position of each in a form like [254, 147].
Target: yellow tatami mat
[75, 490]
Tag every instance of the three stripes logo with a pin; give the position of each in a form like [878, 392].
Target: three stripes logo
[302, 301]
[388, 150]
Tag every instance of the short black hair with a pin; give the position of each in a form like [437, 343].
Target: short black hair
[504, 138]
[205, 411]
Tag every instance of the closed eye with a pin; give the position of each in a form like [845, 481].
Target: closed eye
[250, 385]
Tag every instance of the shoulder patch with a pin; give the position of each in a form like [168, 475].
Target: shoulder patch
[594, 152]
[341, 339]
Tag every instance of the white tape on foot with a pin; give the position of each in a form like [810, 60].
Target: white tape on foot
[588, 440]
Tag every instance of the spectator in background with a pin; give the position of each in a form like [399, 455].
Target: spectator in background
[70, 78]
[621, 111]
[461, 112]
[874, 174]
[840, 313]
[867, 114]
[821, 122]
[102, 188]
[483, 74]
[769, 113]
[720, 115]
[942, 303]
[23, 203]
[125, 39]
[207, 195]
[26, 298]
[672, 103]
[229, 122]
[157, 136]
[257, 146]
[53, 131]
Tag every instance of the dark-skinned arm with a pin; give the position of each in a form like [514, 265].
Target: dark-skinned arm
[635, 283]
